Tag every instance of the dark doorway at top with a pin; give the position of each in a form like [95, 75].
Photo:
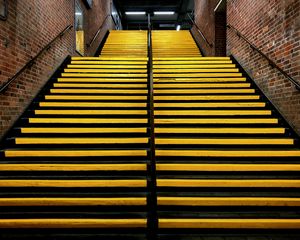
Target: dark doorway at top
[220, 28]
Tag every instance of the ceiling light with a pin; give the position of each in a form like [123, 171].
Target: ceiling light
[78, 13]
[178, 27]
[164, 13]
[135, 13]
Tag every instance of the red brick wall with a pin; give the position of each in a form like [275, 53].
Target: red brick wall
[274, 27]
[205, 19]
[31, 24]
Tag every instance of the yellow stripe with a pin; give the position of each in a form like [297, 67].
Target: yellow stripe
[110, 58]
[227, 167]
[87, 97]
[221, 130]
[192, 58]
[106, 70]
[202, 85]
[188, 70]
[227, 201]
[230, 223]
[108, 66]
[73, 167]
[227, 141]
[203, 91]
[228, 153]
[88, 120]
[189, 75]
[264, 183]
[211, 105]
[181, 66]
[105, 80]
[211, 79]
[108, 201]
[90, 112]
[125, 75]
[92, 104]
[73, 183]
[216, 121]
[82, 130]
[73, 223]
[113, 91]
[188, 62]
[208, 97]
[73, 153]
[49, 140]
[211, 112]
[110, 62]
[88, 85]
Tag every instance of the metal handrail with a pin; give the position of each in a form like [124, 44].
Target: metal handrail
[271, 62]
[200, 32]
[151, 168]
[99, 30]
[32, 60]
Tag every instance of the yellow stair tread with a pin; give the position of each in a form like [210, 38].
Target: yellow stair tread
[202, 79]
[93, 104]
[226, 167]
[210, 112]
[201, 91]
[207, 97]
[74, 183]
[127, 58]
[211, 104]
[88, 120]
[113, 75]
[101, 80]
[73, 70]
[118, 66]
[221, 130]
[95, 97]
[95, 62]
[73, 223]
[216, 121]
[225, 141]
[201, 85]
[228, 153]
[73, 153]
[181, 66]
[192, 58]
[90, 112]
[261, 183]
[98, 85]
[227, 201]
[82, 130]
[199, 70]
[113, 91]
[189, 75]
[73, 167]
[77, 140]
[255, 223]
[190, 62]
[46, 201]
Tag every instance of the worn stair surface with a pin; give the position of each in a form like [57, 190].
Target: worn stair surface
[76, 164]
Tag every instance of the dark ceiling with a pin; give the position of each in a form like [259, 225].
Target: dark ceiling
[180, 7]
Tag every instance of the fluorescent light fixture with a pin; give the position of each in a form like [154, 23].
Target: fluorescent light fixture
[135, 13]
[164, 13]
[78, 13]
[178, 27]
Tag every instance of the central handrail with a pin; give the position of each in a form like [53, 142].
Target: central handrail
[32, 60]
[99, 30]
[151, 167]
[271, 62]
[200, 32]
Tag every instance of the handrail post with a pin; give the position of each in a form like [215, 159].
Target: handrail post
[152, 224]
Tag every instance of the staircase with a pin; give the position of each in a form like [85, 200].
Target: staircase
[76, 164]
